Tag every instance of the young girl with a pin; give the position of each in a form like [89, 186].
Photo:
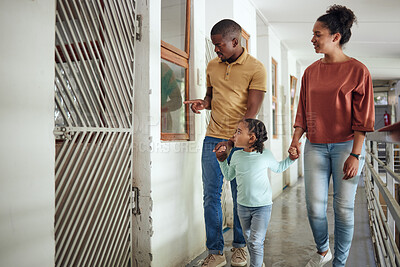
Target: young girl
[249, 166]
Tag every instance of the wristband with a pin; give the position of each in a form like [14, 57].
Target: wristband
[357, 156]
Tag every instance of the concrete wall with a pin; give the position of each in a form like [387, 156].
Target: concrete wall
[394, 101]
[175, 167]
[269, 46]
[27, 194]
[169, 231]
[177, 224]
[245, 14]
[241, 11]
[147, 51]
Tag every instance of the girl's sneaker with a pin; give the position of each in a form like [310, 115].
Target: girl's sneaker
[239, 257]
[214, 260]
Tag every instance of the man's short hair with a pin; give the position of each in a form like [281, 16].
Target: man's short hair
[227, 28]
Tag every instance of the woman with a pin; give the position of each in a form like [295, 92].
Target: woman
[335, 110]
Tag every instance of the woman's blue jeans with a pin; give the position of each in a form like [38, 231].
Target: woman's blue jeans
[254, 221]
[212, 188]
[321, 162]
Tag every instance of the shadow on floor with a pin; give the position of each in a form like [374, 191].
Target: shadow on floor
[289, 241]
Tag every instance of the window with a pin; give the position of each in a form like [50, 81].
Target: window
[274, 68]
[293, 84]
[381, 98]
[175, 43]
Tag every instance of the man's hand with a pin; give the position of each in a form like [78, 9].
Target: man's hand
[350, 167]
[222, 150]
[197, 105]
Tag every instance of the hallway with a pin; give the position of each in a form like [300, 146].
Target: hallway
[289, 241]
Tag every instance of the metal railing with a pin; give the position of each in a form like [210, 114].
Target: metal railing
[383, 191]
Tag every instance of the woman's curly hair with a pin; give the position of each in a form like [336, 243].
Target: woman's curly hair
[339, 19]
[258, 128]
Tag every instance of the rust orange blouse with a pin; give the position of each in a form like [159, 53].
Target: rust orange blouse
[336, 99]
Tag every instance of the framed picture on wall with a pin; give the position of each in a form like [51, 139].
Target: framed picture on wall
[274, 67]
[293, 84]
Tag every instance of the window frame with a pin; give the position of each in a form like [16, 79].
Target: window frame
[274, 99]
[179, 57]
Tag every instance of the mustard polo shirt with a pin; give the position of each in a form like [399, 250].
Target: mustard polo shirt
[230, 84]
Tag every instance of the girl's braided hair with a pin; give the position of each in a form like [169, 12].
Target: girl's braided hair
[258, 128]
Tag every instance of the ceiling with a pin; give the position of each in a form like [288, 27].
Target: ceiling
[375, 40]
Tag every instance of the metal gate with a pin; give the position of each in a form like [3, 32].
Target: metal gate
[94, 80]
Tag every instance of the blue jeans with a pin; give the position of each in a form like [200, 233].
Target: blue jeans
[254, 221]
[321, 161]
[212, 188]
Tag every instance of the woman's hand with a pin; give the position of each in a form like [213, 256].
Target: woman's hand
[294, 150]
[350, 168]
[293, 155]
[295, 145]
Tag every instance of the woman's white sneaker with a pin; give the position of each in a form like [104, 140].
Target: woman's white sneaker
[318, 260]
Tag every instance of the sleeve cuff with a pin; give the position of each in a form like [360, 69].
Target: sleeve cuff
[290, 160]
[362, 128]
[258, 88]
[223, 163]
[300, 126]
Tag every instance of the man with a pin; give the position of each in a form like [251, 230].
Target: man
[236, 83]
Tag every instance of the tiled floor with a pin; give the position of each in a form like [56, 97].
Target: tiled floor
[289, 241]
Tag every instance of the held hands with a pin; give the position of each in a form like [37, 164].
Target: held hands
[294, 150]
[197, 105]
[222, 150]
[350, 168]
[293, 155]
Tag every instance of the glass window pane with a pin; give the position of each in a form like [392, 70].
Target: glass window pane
[381, 98]
[292, 121]
[274, 128]
[173, 22]
[273, 77]
[243, 42]
[173, 92]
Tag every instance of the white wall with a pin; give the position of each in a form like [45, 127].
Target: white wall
[170, 172]
[216, 11]
[394, 101]
[397, 88]
[276, 179]
[27, 142]
[241, 11]
[245, 14]
[147, 51]
[176, 183]
[270, 46]
[294, 69]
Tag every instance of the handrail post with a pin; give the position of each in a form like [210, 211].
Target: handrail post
[381, 184]
[368, 158]
[375, 165]
[390, 183]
